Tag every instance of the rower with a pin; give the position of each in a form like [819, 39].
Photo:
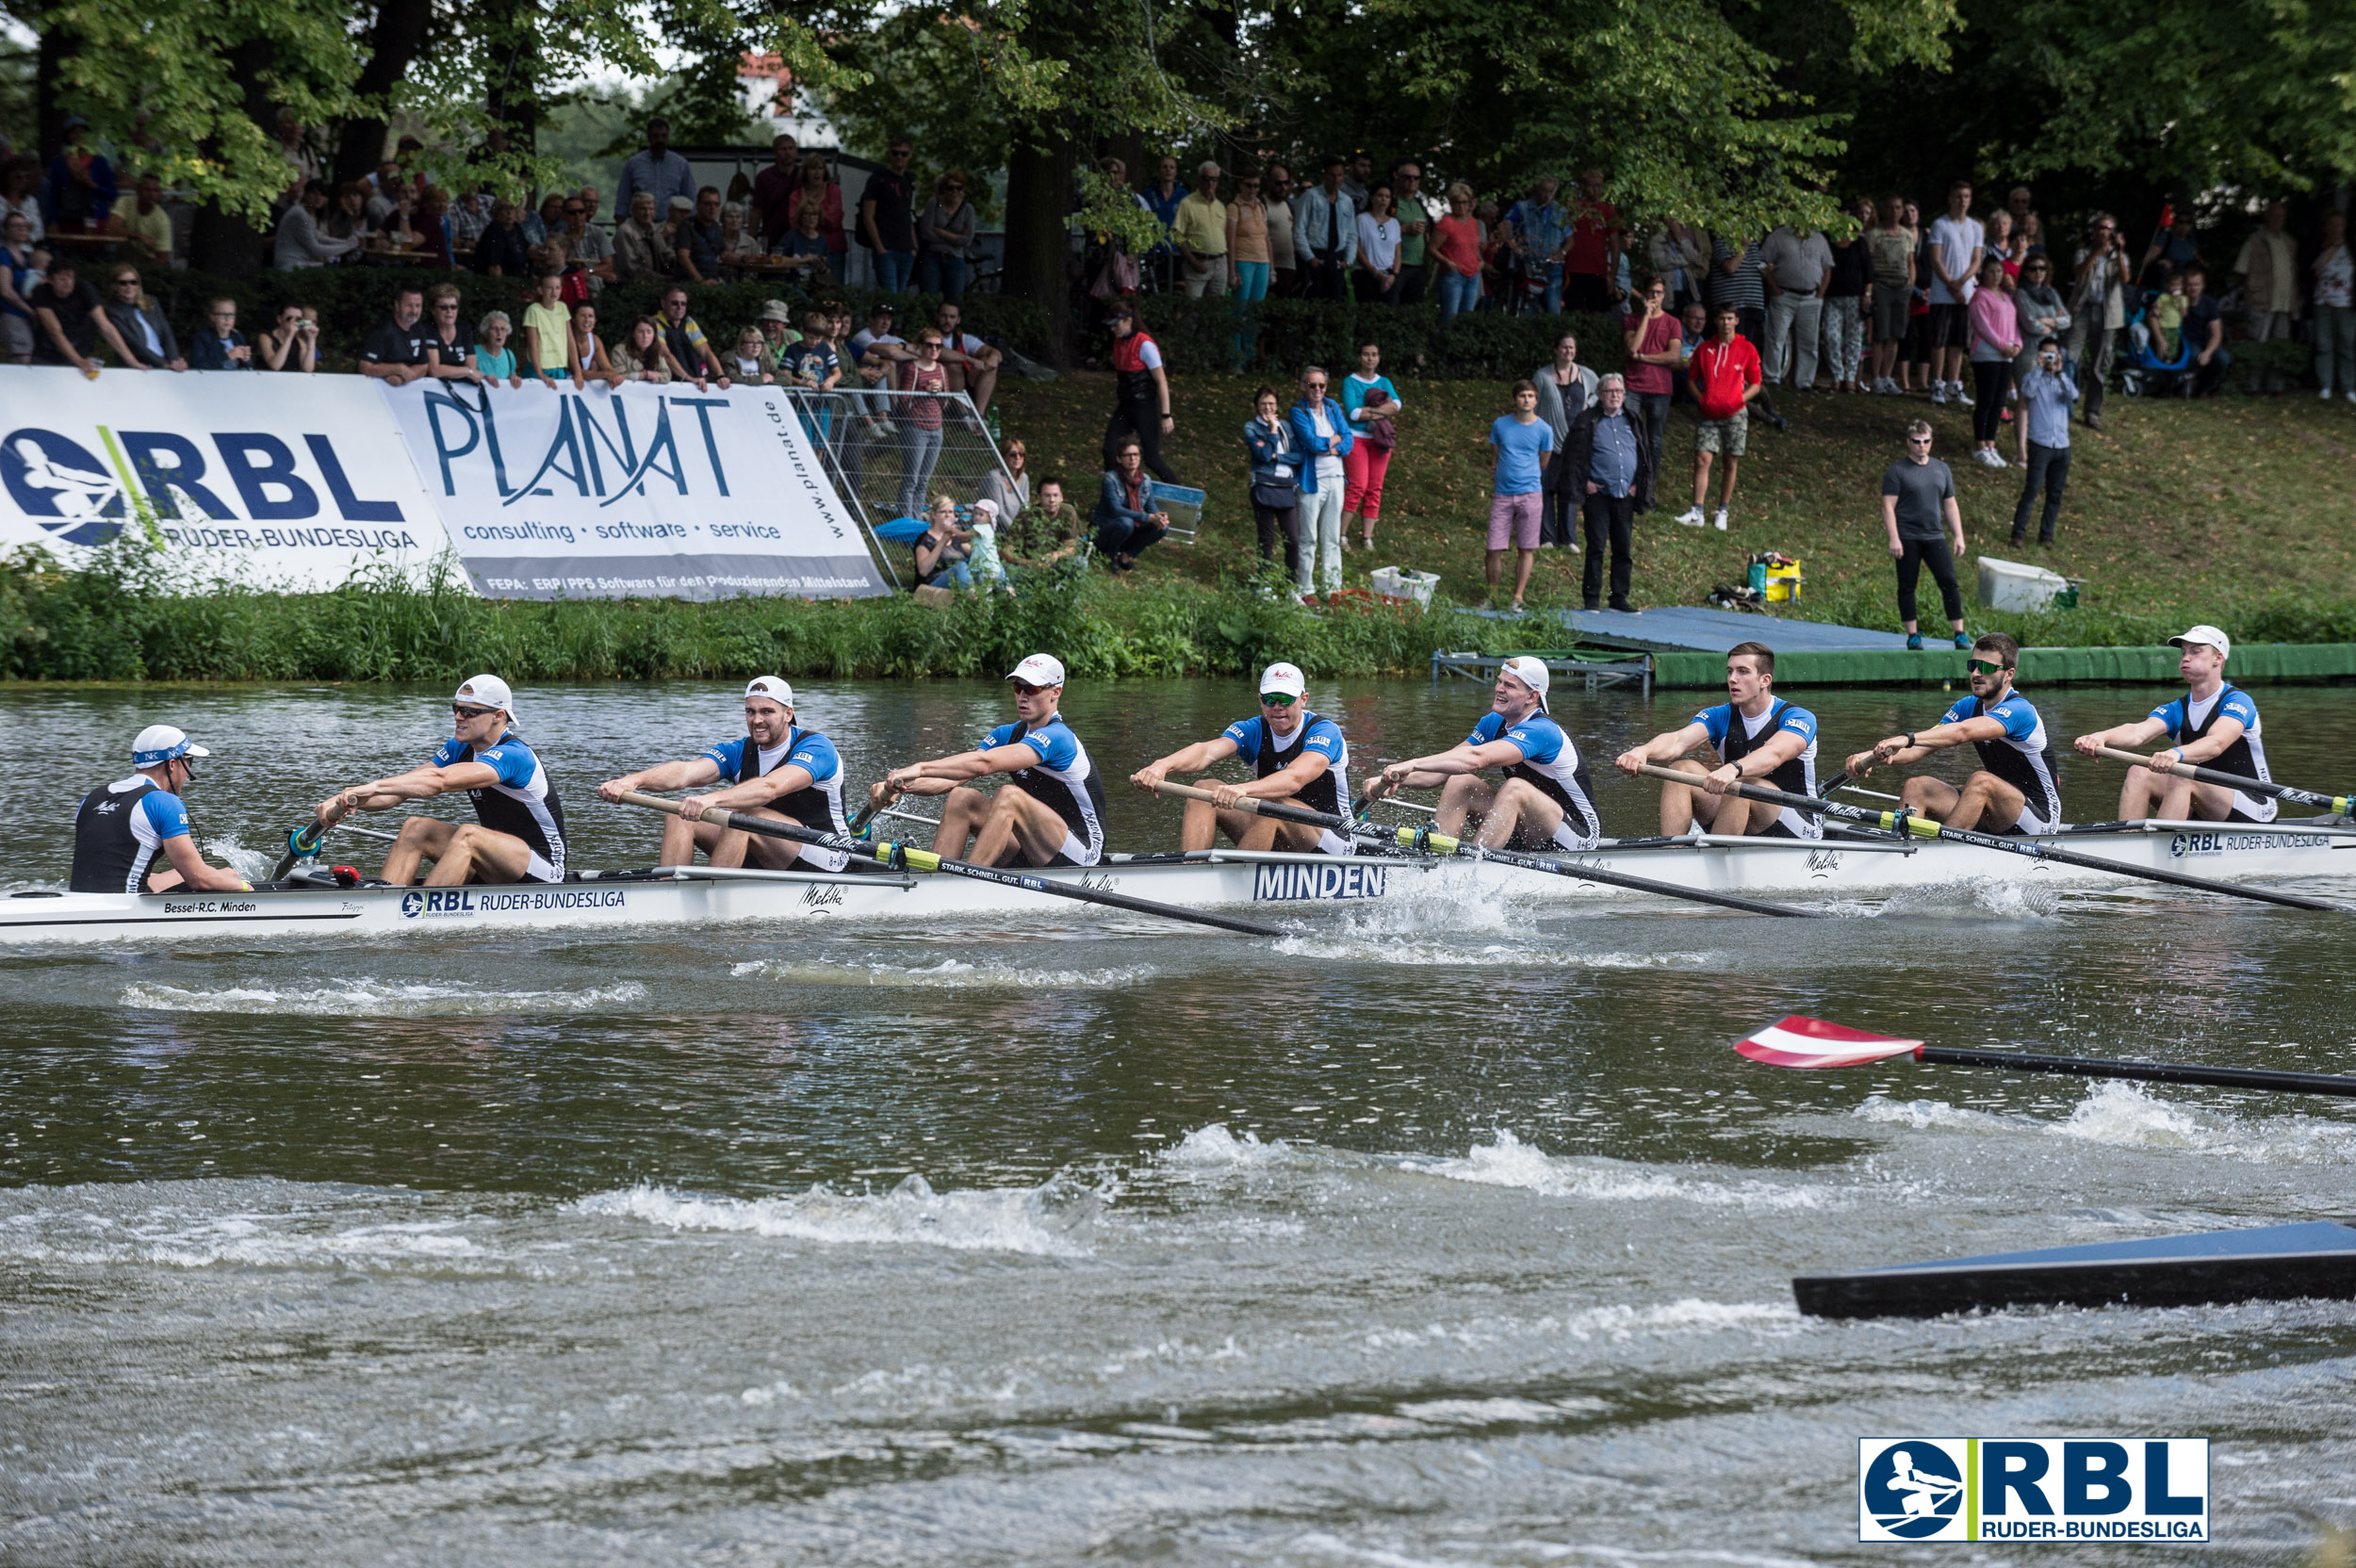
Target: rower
[122, 825]
[1757, 736]
[1051, 809]
[518, 831]
[2213, 723]
[774, 770]
[1545, 801]
[2014, 789]
[1296, 757]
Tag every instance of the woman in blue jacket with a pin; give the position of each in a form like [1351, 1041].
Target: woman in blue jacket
[1275, 480]
[1126, 525]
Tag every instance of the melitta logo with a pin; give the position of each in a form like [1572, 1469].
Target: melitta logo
[2033, 1489]
[80, 495]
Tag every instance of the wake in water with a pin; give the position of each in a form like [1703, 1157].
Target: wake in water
[948, 975]
[379, 999]
[1508, 1162]
[2130, 1116]
[1051, 1221]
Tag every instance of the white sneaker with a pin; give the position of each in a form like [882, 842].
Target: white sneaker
[2351, 395]
[1691, 515]
[1720, 519]
[2325, 394]
[1962, 397]
[1939, 392]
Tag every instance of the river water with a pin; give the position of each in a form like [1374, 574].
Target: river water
[1444, 1235]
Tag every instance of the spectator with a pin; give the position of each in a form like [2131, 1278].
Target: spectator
[1282, 257]
[946, 229]
[1522, 443]
[655, 169]
[674, 232]
[145, 223]
[587, 244]
[494, 361]
[1456, 251]
[1325, 236]
[1845, 302]
[2173, 247]
[2001, 245]
[502, 251]
[1565, 387]
[1417, 214]
[1322, 435]
[547, 220]
[1995, 340]
[887, 220]
[384, 189]
[1276, 462]
[775, 327]
[1248, 240]
[19, 195]
[2268, 267]
[1141, 387]
[346, 215]
[2164, 317]
[295, 146]
[468, 220]
[989, 570]
[1678, 253]
[291, 342]
[2046, 394]
[1958, 244]
[2038, 313]
[1739, 280]
[2335, 309]
[818, 189]
[1541, 235]
[67, 321]
[450, 350]
[81, 182]
[808, 249]
[1369, 402]
[1378, 249]
[1694, 332]
[738, 244]
[773, 193]
[637, 253]
[1726, 378]
[1198, 229]
[141, 325]
[394, 349]
[1889, 248]
[1010, 488]
[943, 548]
[1358, 182]
[2205, 332]
[920, 418]
[2098, 309]
[1609, 457]
[640, 356]
[972, 364]
[2032, 231]
[1918, 497]
[695, 244]
[220, 346]
[17, 273]
[299, 241]
[687, 351]
[1920, 356]
[432, 222]
[547, 349]
[399, 228]
[1795, 268]
[813, 363]
[749, 365]
[1654, 344]
[1497, 260]
[2019, 208]
[1592, 256]
[1126, 523]
[1044, 533]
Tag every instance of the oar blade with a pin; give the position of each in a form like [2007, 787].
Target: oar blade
[1811, 1042]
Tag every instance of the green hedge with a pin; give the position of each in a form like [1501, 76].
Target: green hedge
[1283, 336]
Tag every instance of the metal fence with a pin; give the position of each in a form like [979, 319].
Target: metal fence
[885, 464]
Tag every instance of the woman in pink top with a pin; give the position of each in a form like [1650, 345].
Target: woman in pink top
[1456, 244]
[1995, 340]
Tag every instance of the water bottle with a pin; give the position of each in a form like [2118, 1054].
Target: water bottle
[991, 415]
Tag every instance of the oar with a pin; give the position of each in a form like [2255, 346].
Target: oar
[2233, 782]
[1811, 1042]
[1423, 838]
[1923, 828]
[303, 843]
[907, 857]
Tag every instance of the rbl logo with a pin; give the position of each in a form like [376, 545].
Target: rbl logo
[2033, 1489]
[79, 496]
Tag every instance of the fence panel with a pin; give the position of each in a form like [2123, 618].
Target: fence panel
[890, 453]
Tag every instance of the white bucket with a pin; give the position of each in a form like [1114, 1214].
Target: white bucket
[2017, 585]
[1401, 582]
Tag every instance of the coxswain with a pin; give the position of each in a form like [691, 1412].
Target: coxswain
[121, 826]
[518, 831]
[1297, 758]
[2014, 791]
[2215, 723]
[1757, 737]
[776, 770]
[1051, 809]
[1545, 799]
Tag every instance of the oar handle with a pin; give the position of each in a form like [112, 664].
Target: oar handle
[1188, 791]
[2340, 804]
[2182, 769]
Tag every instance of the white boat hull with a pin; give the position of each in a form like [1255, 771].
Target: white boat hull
[1276, 885]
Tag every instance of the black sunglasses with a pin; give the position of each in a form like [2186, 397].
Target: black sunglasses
[1980, 666]
[465, 713]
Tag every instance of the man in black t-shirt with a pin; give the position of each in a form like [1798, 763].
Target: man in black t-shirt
[887, 220]
[394, 350]
[2204, 334]
[503, 251]
[1919, 510]
[68, 322]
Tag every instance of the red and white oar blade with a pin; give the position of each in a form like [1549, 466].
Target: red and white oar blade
[1797, 1041]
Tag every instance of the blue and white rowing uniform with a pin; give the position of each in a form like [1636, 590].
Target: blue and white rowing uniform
[1734, 736]
[2188, 721]
[120, 830]
[1267, 752]
[521, 803]
[2022, 757]
[819, 805]
[1064, 780]
[1550, 762]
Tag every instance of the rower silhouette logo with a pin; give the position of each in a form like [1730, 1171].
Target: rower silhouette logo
[410, 904]
[60, 485]
[1914, 1491]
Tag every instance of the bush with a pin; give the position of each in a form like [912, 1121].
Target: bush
[1283, 336]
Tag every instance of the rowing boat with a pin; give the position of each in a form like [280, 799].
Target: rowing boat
[1832, 868]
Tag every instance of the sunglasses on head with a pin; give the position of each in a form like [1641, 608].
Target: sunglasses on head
[1980, 666]
[1278, 699]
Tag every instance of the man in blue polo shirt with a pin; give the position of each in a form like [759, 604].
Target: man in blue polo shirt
[1051, 809]
[1296, 757]
[1546, 800]
[122, 828]
[2014, 790]
[775, 769]
[2214, 724]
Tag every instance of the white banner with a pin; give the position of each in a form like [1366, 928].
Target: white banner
[279, 481]
[650, 491]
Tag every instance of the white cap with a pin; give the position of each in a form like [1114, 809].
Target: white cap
[986, 504]
[1287, 679]
[486, 691]
[2208, 635]
[772, 687]
[159, 743]
[1040, 669]
[1530, 672]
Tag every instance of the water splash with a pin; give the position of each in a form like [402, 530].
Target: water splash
[378, 999]
[948, 975]
[1508, 1162]
[1050, 1220]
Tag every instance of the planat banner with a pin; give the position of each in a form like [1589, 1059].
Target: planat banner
[646, 491]
[285, 481]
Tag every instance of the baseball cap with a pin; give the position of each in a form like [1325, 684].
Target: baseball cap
[2208, 635]
[1287, 679]
[1530, 672]
[159, 743]
[486, 691]
[1040, 669]
[773, 687]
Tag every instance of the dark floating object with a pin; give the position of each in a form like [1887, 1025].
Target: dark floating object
[2265, 1263]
